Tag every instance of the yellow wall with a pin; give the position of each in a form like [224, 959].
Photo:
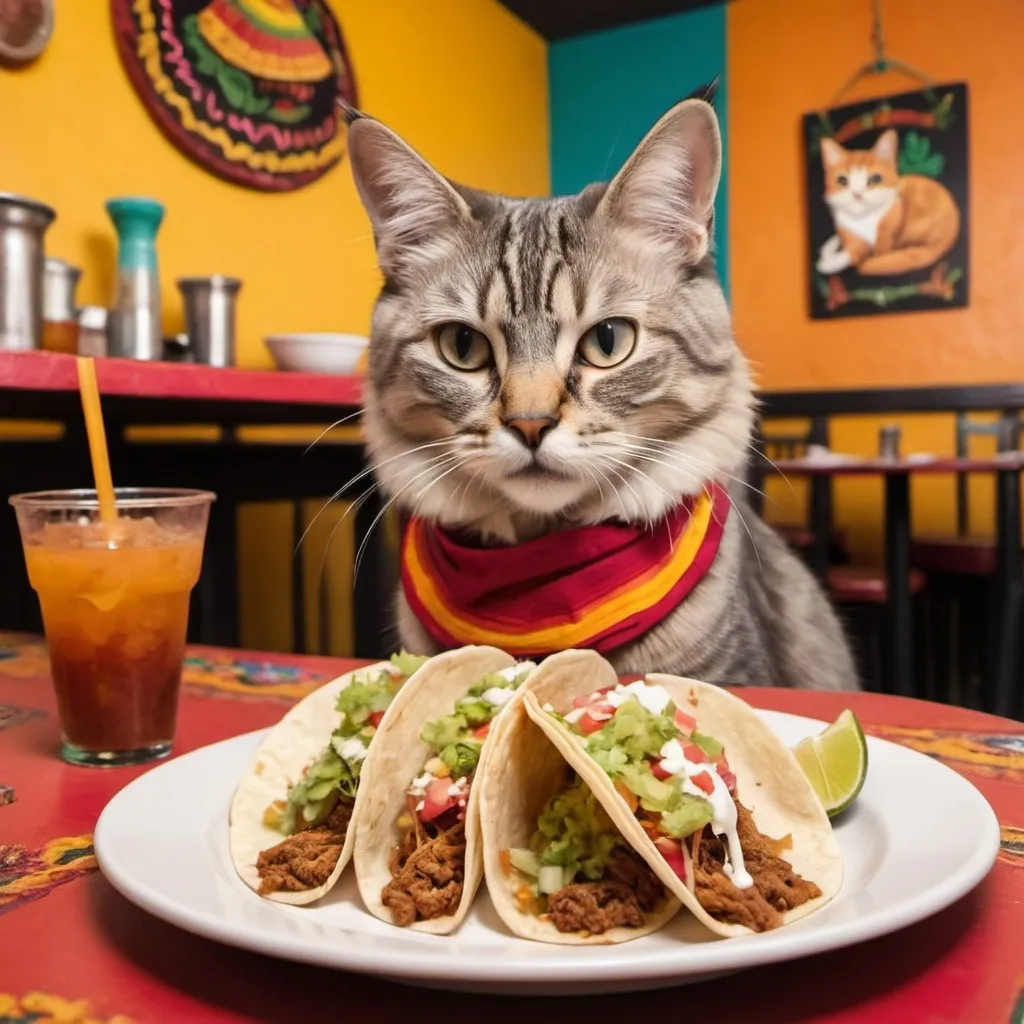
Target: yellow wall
[462, 80]
[788, 57]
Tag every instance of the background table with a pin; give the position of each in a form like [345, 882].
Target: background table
[67, 938]
[1003, 696]
[44, 386]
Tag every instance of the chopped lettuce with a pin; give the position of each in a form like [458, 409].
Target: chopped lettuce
[462, 757]
[331, 777]
[688, 814]
[575, 833]
[708, 744]
[471, 712]
[443, 732]
[625, 747]
[361, 698]
[635, 731]
[407, 663]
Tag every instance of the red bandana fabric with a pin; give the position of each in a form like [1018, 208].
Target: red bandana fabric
[596, 587]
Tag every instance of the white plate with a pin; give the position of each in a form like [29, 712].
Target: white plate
[918, 838]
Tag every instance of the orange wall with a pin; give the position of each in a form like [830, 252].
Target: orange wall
[788, 57]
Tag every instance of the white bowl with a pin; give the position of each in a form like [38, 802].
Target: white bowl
[317, 353]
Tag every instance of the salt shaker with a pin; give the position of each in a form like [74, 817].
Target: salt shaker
[135, 318]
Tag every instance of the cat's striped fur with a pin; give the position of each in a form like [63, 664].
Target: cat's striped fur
[531, 278]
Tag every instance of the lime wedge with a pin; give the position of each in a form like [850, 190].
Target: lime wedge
[835, 762]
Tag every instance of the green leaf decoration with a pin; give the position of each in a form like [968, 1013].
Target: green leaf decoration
[916, 156]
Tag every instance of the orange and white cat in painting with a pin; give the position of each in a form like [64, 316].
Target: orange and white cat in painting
[886, 223]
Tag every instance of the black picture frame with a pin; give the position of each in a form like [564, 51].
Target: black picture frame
[919, 269]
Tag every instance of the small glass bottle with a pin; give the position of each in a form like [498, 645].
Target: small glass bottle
[60, 314]
[135, 328]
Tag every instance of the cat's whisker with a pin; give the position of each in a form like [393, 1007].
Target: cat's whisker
[672, 499]
[757, 451]
[631, 488]
[361, 475]
[380, 515]
[614, 490]
[354, 506]
[753, 543]
[673, 452]
[337, 423]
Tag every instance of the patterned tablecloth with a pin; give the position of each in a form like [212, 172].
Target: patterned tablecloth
[71, 949]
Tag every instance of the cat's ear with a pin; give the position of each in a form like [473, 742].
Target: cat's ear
[412, 208]
[885, 148]
[831, 153]
[666, 190]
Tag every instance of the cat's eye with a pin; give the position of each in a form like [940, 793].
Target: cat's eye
[463, 347]
[843, 180]
[875, 179]
[608, 343]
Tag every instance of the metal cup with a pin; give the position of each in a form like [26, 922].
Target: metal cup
[210, 317]
[23, 223]
[889, 442]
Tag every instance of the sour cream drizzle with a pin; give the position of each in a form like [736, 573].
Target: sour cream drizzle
[723, 807]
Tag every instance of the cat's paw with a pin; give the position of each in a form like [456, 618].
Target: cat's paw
[831, 260]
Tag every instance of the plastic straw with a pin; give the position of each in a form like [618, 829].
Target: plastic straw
[97, 439]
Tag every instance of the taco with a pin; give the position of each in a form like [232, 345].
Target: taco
[292, 820]
[417, 853]
[701, 787]
[558, 868]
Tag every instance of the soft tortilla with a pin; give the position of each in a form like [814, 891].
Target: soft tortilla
[769, 780]
[399, 758]
[289, 748]
[524, 770]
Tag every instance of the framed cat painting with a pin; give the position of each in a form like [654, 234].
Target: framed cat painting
[887, 196]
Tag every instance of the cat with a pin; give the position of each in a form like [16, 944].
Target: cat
[543, 364]
[886, 223]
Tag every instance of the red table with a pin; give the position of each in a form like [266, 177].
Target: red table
[1003, 694]
[68, 940]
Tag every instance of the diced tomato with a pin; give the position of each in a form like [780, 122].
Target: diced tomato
[587, 725]
[685, 722]
[602, 711]
[481, 733]
[673, 854]
[437, 801]
[703, 781]
[581, 702]
[375, 718]
[694, 754]
[658, 772]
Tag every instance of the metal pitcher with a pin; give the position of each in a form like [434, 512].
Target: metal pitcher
[23, 223]
[210, 317]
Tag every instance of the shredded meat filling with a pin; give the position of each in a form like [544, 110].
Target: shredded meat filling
[618, 900]
[427, 873]
[776, 889]
[305, 860]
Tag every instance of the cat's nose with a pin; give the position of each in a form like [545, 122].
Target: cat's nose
[530, 429]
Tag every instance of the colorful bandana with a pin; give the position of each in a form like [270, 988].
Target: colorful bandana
[595, 587]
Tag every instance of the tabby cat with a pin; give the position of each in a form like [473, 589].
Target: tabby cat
[538, 364]
[886, 223]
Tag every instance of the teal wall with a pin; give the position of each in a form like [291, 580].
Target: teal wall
[607, 89]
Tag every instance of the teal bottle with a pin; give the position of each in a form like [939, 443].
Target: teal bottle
[135, 325]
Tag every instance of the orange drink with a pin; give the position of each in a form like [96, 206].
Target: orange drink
[115, 599]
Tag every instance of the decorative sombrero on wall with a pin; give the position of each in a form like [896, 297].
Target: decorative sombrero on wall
[247, 88]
